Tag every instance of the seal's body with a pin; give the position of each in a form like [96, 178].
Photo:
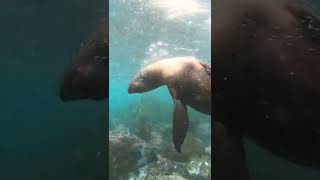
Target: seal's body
[266, 59]
[189, 83]
[88, 76]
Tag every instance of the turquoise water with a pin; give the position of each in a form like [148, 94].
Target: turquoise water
[142, 32]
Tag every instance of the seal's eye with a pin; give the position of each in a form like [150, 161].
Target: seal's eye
[142, 77]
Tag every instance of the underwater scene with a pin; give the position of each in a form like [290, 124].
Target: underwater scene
[142, 33]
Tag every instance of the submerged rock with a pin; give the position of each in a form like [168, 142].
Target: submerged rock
[196, 169]
[130, 157]
[173, 176]
[200, 168]
[127, 153]
[144, 131]
[163, 168]
[193, 146]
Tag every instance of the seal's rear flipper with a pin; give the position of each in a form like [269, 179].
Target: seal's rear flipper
[228, 155]
[180, 124]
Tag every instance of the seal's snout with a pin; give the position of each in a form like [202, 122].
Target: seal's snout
[135, 87]
[131, 88]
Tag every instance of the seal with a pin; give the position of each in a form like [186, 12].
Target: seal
[189, 83]
[88, 76]
[266, 59]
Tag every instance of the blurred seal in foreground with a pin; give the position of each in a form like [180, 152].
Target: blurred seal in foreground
[88, 76]
[266, 59]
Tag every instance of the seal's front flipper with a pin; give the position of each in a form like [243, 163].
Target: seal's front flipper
[207, 67]
[228, 155]
[180, 124]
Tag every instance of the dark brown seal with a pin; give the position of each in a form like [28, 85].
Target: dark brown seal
[266, 59]
[88, 76]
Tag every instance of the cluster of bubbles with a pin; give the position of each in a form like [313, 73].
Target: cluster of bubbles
[176, 27]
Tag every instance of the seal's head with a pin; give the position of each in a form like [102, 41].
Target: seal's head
[85, 81]
[146, 80]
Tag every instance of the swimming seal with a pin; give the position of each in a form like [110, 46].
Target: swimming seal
[88, 76]
[189, 83]
[266, 58]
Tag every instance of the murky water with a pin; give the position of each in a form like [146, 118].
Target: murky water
[41, 137]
